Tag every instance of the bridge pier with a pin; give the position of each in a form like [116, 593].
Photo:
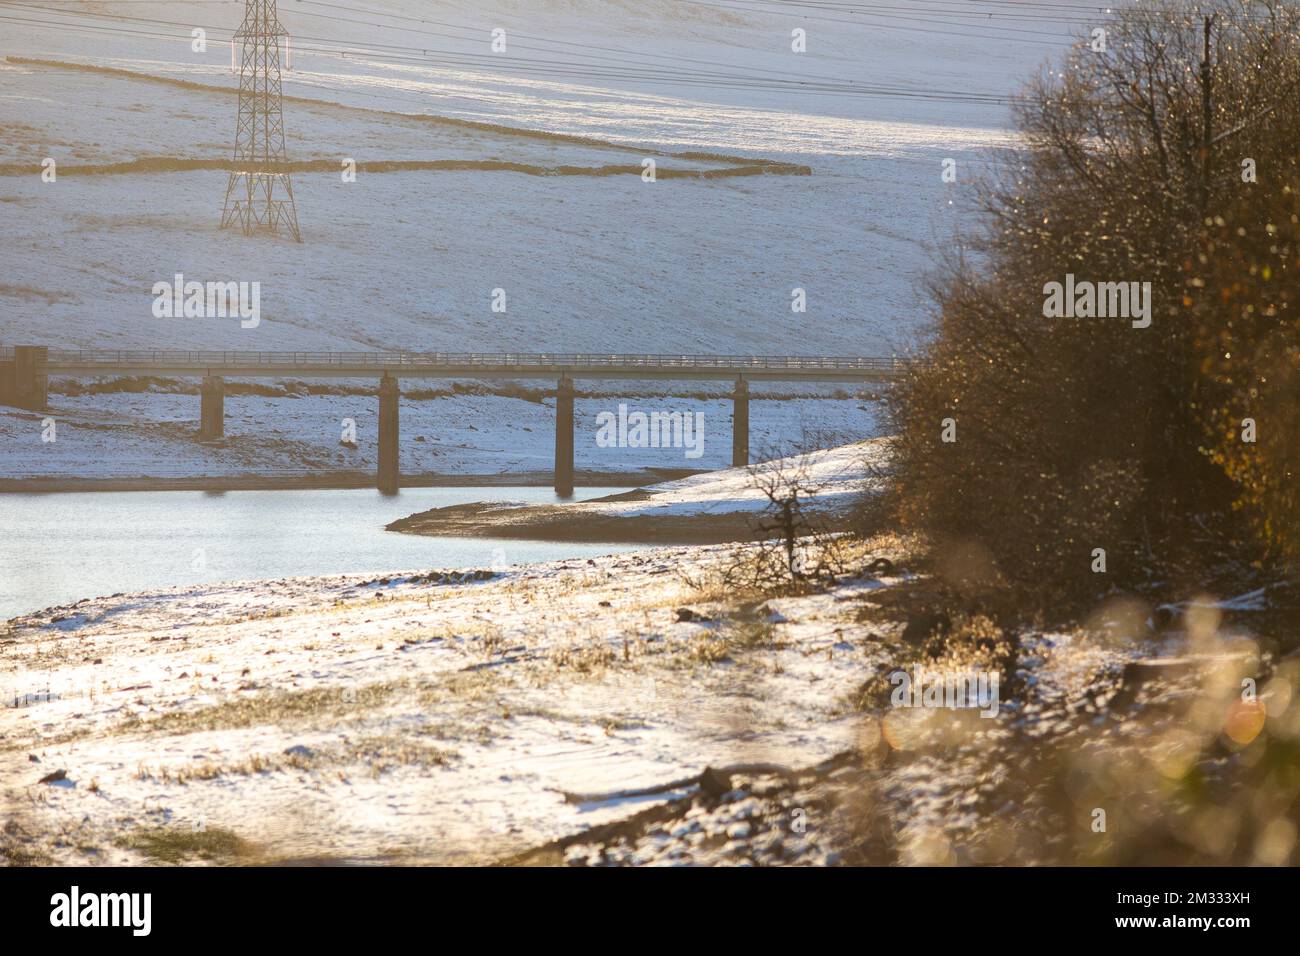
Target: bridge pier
[564, 437]
[212, 408]
[389, 395]
[740, 424]
[23, 382]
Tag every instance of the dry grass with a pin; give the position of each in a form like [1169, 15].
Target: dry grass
[183, 845]
[384, 753]
[584, 659]
[208, 770]
[709, 649]
[275, 707]
[19, 846]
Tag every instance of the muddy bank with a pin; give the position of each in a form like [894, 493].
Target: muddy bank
[576, 523]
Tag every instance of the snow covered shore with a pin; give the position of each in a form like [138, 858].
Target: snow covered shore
[461, 718]
[403, 719]
[421, 716]
[706, 508]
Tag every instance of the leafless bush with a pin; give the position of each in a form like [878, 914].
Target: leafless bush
[795, 544]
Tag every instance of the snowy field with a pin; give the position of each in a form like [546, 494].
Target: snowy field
[518, 192]
[409, 259]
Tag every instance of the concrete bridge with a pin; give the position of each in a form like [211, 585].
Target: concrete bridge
[25, 371]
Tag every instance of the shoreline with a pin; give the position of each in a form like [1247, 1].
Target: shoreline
[333, 481]
[718, 507]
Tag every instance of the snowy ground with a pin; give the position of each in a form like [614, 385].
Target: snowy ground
[423, 718]
[836, 474]
[401, 720]
[587, 262]
[727, 505]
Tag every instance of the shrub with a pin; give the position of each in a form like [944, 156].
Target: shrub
[1073, 434]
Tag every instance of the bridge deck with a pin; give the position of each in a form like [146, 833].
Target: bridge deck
[467, 365]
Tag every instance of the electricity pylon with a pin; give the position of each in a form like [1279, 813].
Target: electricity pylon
[260, 196]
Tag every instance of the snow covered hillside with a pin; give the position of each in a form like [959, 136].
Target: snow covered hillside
[410, 259]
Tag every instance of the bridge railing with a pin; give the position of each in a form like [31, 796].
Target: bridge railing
[110, 358]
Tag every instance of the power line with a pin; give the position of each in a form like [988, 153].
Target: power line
[566, 69]
[996, 35]
[569, 68]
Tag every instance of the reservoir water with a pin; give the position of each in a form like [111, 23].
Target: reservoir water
[60, 548]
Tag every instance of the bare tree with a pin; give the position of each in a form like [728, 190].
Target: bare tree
[795, 542]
